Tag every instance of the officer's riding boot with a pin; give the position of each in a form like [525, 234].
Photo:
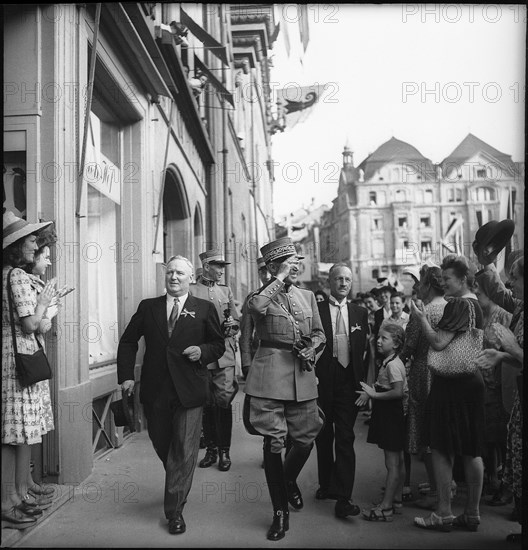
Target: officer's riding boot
[277, 489]
[224, 425]
[211, 453]
[293, 464]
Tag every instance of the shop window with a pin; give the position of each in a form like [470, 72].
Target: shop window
[99, 252]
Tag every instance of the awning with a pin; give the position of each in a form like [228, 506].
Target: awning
[226, 94]
[204, 37]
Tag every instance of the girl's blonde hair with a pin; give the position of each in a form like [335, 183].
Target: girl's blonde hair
[397, 333]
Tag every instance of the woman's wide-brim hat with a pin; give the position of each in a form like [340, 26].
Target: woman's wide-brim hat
[123, 411]
[495, 236]
[16, 228]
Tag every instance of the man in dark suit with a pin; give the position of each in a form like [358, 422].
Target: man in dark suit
[339, 371]
[182, 336]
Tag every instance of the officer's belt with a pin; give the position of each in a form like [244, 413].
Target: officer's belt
[276, 345]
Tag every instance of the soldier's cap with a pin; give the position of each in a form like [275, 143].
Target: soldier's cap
[213, 257]
[278, 249]
[261, 263]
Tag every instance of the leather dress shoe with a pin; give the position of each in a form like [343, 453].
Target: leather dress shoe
[177, 525]
[281, 523]
[38, 490]
[294, 495]
[344, 508]
[323, 494]
[209, 459]
[224, 461]
[15, 519]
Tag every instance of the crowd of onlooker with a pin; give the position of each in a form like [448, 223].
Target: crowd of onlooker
[460, 340]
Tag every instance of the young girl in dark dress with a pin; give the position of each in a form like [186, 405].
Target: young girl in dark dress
[387, 424]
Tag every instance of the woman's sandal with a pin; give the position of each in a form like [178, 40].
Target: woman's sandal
[16, 519]
[435, 523]
[41, 490]
[397, 505]
[378, 514]
[464, 521]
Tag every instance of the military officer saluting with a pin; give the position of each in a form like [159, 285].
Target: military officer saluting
[281, 387]
[217, 418]
[248, 340]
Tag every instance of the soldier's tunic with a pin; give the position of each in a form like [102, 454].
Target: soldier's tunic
[281, 397]
[223, 370]
[248, 339]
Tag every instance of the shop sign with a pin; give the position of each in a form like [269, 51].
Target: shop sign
[102, 174]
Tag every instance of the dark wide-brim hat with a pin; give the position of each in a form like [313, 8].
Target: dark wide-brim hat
[495, 234]
[123, 411]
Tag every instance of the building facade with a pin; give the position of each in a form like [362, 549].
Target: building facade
[139, 128]
[397, 208]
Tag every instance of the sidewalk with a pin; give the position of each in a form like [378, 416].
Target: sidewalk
[121, 505]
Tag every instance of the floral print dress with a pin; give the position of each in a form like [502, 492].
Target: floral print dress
[23, 410]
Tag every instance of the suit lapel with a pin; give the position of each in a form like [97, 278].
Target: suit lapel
[326, 321]
[159, 311]
[191, 304]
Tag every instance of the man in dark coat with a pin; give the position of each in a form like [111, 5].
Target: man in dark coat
[182, 335]
[339, 371]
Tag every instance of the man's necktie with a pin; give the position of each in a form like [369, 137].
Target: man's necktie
[341, 343]
[174, 315]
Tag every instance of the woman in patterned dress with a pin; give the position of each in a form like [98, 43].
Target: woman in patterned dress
[35, 271]
[495, 416]
[512, 342]
[431, 292]
[22, 420]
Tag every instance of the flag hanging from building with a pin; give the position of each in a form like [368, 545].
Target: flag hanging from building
[295, 103]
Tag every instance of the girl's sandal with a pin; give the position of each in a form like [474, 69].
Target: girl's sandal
[378, 514]
[39, 490]
[464, 521]
[435, 523]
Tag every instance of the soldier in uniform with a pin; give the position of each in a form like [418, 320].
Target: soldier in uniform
[248, 340]
[281, 387]
[217, 417]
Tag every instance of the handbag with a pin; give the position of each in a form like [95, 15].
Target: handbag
[30, 368]
[458, 357]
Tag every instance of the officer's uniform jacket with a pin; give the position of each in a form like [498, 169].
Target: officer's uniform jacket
[222, 298]
[248, 339]
[282, 317]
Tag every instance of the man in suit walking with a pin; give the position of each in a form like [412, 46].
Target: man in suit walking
[339, 371]
[182, 335]
[281, 388]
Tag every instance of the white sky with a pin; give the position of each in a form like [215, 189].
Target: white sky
[369, 52]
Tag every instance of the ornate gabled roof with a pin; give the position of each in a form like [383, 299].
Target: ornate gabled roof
[398, 151]
[472, 145]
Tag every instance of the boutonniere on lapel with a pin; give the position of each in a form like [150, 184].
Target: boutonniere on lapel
[354, 328]
[186, 312]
